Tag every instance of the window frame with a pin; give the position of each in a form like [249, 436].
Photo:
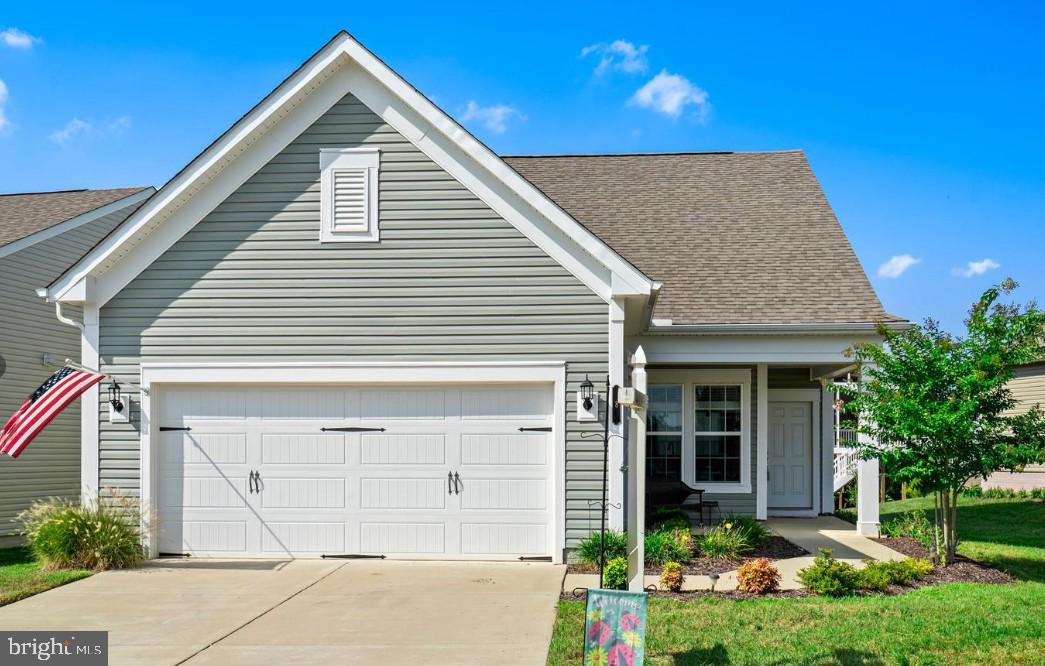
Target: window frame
[680, 433]
[365, 159]
[689, 379]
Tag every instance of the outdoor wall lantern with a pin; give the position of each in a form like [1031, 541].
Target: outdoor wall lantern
[587, 406]
[117, 408]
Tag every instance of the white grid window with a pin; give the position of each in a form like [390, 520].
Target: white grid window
[664, 432]
[717, 433]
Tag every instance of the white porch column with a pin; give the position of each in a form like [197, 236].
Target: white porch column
[636, 502]
[762, 441]
[867, 497]
[89, 407]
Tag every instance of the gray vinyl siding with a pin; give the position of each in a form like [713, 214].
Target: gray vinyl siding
[791, 378]
[449, 280]
[50, 466]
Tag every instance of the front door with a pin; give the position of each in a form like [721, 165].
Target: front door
[790, 462]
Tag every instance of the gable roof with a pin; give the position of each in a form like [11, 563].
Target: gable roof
[342, 66]
[735, 238]
[24, 214]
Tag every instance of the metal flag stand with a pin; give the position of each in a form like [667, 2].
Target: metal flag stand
[604, 504]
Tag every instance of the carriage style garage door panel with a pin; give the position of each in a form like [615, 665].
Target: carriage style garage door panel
[403, 471]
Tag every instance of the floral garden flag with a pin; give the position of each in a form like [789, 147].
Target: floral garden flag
[615, 628]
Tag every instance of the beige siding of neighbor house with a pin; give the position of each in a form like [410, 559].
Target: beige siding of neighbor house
[449, 280]
[50, 466]
[1028, 388]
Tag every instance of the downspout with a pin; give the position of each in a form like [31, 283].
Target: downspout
[65, 320]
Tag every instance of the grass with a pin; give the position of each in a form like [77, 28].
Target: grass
[1008, 534]
[21, 577]
[951, 624]
[964, 623]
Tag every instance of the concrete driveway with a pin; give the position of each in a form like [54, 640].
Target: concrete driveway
[308, 612]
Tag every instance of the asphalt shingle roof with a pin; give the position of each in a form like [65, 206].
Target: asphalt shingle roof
[736, 238]
[22, 215]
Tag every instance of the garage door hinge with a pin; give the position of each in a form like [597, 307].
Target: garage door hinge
[352, 556]
[535, 558]
[351, 429]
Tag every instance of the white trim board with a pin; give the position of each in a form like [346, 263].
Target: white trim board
[154, 376]
[73, 223]
[344, 66]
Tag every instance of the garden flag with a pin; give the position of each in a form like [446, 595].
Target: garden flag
[42, 406]
[615, 628]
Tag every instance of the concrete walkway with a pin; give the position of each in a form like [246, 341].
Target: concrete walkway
[308, 612]
[812, 534]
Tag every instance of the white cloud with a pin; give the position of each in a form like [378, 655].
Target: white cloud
[671, 94]
[977, 268]
[494, 118]
[5, 124]
[897, 266]
[620, 55]
[72, 129]
[119, 125]
[18, 39]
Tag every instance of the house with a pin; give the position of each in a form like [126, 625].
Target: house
[1028, 388]
[349, 328]
[41, 235]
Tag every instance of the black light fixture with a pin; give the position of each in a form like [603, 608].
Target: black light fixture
[587, 393]
[114, 397]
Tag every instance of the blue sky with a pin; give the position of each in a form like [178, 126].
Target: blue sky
[926, 128]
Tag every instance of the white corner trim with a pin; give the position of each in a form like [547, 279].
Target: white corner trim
[343, 66]
[73, 223]
[89, 408]
[762, 442]
[154, 376]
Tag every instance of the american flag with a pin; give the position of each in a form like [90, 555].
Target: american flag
[42, 406]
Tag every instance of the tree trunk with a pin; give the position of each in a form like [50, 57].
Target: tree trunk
[948, 499]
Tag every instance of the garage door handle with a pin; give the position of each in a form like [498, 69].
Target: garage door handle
[449, 483]
[250, 482]
[457, 483]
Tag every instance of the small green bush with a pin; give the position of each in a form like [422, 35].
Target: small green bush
[667, 518]
[829, 577]
[662, 546]
[754, 531]
[63, 535]
[878, 576]
[616, 546]
[721, 541]
[972, 491]
[848, 515]
[913, 524]
[615, 576]
[671, 577]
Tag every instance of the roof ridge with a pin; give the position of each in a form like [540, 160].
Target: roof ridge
[658, 154]
[139, 188]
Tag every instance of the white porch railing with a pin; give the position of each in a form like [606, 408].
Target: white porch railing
[846, 459]
[845, 437]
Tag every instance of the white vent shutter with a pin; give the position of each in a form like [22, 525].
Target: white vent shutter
[350, 194]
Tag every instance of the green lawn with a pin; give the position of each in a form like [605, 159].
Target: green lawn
[21, 577]
[951, 624]
[1008, 534]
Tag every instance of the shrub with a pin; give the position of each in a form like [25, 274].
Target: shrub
[848, 515]
[754, 531]
[829, 577]
[663, 546]
[880, 575]
[876, 576]
[667, 518]
[615, 576]
[972, 491]
[671, 577]
[616, 546]
[758, 577]
[731, 539]
[63, 535]
[913, 524]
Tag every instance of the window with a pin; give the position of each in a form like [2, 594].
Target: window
[348, 194]
[664, 432]
[717, 433]
[698, 428]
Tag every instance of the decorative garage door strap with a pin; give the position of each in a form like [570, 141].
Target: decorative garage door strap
[352, 429]
[541, 429]
[174, 428]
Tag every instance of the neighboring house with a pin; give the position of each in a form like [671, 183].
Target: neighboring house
[41, 235]
[348, 327]
[1028, 388]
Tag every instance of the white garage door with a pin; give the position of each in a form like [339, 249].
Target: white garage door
[402, 471]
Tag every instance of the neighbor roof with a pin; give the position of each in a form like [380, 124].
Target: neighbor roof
[735, 238]
[25, 214]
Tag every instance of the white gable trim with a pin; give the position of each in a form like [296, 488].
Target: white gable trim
[343, 66]
[73, 223]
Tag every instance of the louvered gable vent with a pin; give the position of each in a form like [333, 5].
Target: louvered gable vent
[348, 191]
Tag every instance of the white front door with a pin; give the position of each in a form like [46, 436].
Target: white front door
[790, 464]
[403, 471]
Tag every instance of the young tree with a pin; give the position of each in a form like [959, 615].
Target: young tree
[937, 409]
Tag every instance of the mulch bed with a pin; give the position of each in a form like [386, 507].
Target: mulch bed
[693, 595]
[962, 570]
[773, 548]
